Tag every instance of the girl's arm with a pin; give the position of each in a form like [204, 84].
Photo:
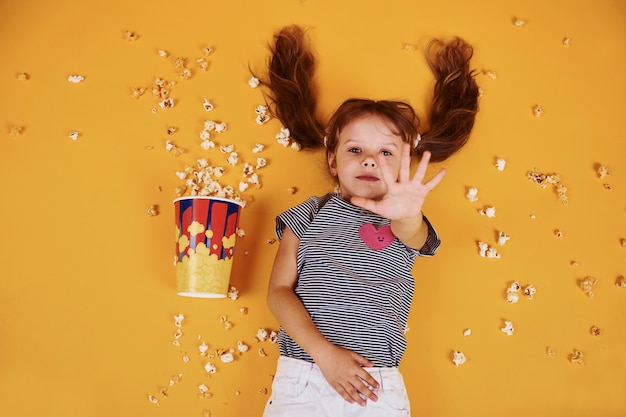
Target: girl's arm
[342, 368]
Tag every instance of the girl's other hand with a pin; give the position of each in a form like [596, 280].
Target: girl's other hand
[343, 369]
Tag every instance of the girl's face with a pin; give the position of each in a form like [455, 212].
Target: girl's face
[362, 144]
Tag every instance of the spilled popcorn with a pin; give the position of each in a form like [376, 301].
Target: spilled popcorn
[487, 251]
[472, 194]
[586, 284]
[458, 358]
[544, 179]
[508, 328]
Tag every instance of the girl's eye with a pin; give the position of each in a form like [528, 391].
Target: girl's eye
[354, 150]
[386, 153]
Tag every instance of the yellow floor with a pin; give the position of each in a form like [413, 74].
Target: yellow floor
[88, 298]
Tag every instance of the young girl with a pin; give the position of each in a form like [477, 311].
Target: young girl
[341, 285]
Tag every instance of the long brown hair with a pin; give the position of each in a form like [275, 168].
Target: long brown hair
[291, 98]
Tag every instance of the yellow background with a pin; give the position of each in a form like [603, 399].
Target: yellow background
[88, 293]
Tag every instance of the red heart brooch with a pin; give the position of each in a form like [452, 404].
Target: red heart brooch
[376, 239]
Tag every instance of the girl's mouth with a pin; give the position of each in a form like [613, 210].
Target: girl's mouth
[367, 178]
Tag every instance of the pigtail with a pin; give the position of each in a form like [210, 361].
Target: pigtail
[455, 99]
[291, 95]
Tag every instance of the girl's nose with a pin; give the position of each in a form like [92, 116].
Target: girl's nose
[369, 162]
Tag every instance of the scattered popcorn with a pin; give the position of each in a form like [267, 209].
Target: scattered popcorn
[508, 328]
[233, 293]
[472, 194]
[261, 162]
[502, 238]
[16, 130]
[550, 352]
[283, 137]
[558, 233]
[174, 150]
[242, 347]
[203, 348]
[258, 148]
[75, 79]
[621, 282]
[254, 82]
[203, 64]
[544, 179]
[517, 22]
[576, 357]
[512, 295]
[487, 251]
[467, 332]
[73, 135]
[408, 47]
[207, 105]
[233, 158]
[207, 144]
[529, 292]
[500, 164]
[154, 400]
[587, 284]
[171, 130]
[179, 62]
[458, 358]
[227, 148]
[567, 42]
[603, 172]
[488, 211]
[271, 241]
[262, 352]
[207, 50]
[130, 36]
[594, 330]
[163, 391]
[206, 413]
[224, 320]
[273, 337]
[22, 76]
[292, 190]
[491, 74]
[175, 379]
[210, 368]
[185, 357]
[538, 110]
[263, 118]
[220, 127]
[574, 263]
[162, 53]
[262, 391]
[168, 103]
[204, 391]
[178, 320]
[261, 334]
[153, 210]
[623, 242]
[137, 92]
[227, 357]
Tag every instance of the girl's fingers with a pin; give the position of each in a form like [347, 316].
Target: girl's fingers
[420, 172]
[405, 163]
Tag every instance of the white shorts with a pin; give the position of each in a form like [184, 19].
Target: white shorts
[300, 390]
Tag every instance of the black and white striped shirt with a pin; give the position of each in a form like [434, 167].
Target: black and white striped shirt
[354, 278]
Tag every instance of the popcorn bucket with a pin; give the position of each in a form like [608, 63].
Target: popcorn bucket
[205, 243]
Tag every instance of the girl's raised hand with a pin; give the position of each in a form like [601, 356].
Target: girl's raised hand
[405, 195]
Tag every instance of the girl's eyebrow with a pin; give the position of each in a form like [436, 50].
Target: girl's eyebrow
[353, 142]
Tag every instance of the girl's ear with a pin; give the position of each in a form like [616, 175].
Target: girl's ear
[332, 163]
